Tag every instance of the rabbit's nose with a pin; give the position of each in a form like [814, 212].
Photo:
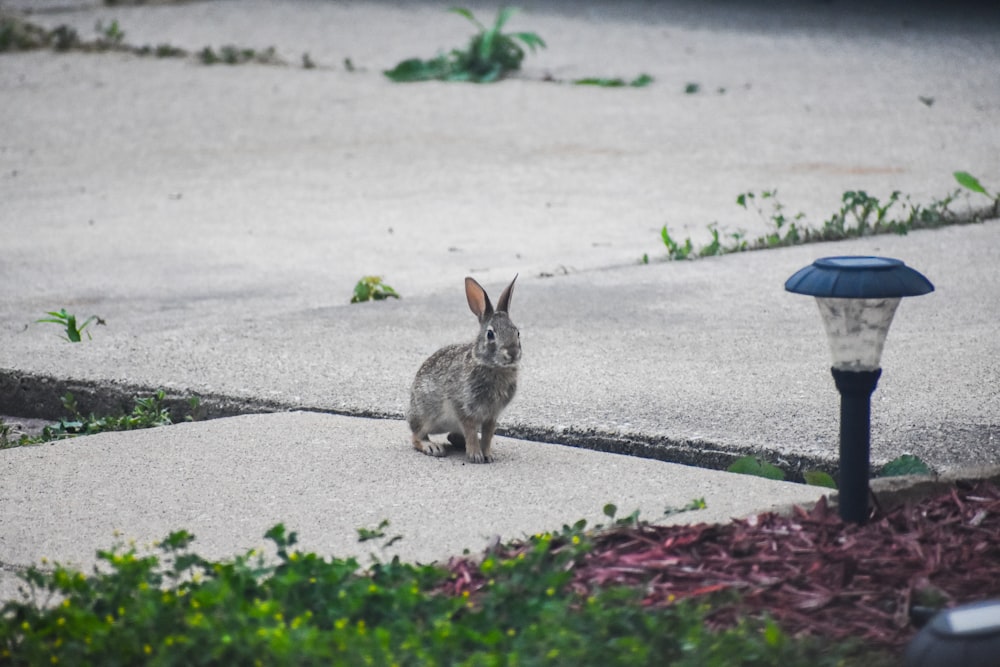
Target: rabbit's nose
[513, 353]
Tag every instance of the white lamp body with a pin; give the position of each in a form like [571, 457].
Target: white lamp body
[856, 329]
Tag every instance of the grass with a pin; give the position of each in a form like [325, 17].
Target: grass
[490, 55]
[859, 215]
[171, 606]
[148, 412]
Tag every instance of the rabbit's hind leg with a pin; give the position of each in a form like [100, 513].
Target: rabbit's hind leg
[422, 443]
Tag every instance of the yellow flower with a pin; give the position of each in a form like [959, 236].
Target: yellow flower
[147, 649]
[340, 623]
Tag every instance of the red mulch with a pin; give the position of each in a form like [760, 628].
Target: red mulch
[811, 572]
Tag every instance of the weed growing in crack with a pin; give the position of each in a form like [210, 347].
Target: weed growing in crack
[971, 183]
[235, 55]
[859, 214]
[148, 412]
[490, 55]
[640, 81]
[906, 464]
[73, 332]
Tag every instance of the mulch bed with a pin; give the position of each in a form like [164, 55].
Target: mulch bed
[810, 571]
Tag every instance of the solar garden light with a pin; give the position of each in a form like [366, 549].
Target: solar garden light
[968, 636]
[857, 298]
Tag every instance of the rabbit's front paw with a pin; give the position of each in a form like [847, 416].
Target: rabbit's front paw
[477, 456]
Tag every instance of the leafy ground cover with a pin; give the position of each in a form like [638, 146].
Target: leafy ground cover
[809, 571]
[799, 590]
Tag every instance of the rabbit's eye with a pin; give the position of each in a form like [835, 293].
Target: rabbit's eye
[490, 335]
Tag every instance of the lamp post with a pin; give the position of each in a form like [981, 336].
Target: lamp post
[857, 298]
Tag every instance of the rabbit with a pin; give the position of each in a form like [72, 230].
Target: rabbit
[461, 389]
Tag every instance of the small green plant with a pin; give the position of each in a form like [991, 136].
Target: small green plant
[17, 34]
[859, 214]
[111, 34]
[490, 56]
[715, 247]
[694, 505]
[9, 437]
[786, 230]
[675, 249]
[611, 510]
[906, 464]
[307, 61]
[692, 88]
[640, 81]
[377, 533]
[372, 288]
[147, 412]
[235, 55]
[749, 465]
[971, 183]
[819, 478]
[73, 332]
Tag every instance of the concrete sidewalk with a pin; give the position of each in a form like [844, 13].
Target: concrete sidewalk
[217, 219]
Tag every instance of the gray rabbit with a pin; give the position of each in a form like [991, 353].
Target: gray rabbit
[462, 389]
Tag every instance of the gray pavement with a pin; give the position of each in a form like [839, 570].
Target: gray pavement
[217, 219]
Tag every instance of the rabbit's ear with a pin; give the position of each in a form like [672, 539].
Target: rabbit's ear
[503, 305]
[479, 302]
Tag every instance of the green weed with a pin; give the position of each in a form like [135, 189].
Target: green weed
[858, 215]
[73, 331]
[110, 35]
[9, 437]
[906, 464]
[490, 56]
[676, 250]
[694, 505]
[749, 465]
[171, 606]
[640, 81]
[147, 412]
[372, 288]
[971, 183]
[819, 478]
[235, 55]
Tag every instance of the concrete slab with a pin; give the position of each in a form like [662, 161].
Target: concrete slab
[229, 480]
